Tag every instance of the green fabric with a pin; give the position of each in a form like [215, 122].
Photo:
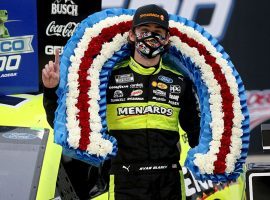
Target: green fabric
[111, 188]
[31, 114]
[140, 121]
[136, 67]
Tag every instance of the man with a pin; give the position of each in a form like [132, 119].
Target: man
[145, 101]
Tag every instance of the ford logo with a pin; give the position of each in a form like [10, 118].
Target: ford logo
[165, 79]
[19, 136]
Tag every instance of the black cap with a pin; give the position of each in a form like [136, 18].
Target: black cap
[151, 14]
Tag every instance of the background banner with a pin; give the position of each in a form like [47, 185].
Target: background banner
[247, 42]
[18, 47]
[57, 20]
[241, 28]
[200, 190]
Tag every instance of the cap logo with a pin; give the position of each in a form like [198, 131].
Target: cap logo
[162, 17]
[152, 15]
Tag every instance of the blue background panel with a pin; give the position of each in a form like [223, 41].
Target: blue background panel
[20, 48]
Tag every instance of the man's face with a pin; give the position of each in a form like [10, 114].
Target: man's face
[149, 28]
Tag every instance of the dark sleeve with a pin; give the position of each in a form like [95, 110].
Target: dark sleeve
[50, 103]
[189, 116]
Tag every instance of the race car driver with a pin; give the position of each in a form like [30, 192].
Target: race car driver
[146, 100]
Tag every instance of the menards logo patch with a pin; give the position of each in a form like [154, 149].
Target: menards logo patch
[143, 110]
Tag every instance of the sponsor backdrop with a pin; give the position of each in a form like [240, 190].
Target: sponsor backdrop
[57, 20]
[18, 47]
[199, 190]
[239, 25]
[241, 28]
[247, 41]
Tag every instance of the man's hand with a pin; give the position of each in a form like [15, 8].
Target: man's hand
[50, 73]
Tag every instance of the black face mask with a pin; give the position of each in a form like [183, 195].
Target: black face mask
[149, 44]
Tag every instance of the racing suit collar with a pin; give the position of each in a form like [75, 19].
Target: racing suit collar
[136, 67]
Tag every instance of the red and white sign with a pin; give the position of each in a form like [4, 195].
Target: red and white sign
[259, 106]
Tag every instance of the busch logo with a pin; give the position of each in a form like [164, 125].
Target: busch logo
[61, 30]
[64, 9]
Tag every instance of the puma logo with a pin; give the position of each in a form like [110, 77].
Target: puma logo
[127, 168]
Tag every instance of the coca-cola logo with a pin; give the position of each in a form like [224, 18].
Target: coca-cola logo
[61, 30]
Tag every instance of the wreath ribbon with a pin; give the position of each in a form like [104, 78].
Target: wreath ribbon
[100, 42]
